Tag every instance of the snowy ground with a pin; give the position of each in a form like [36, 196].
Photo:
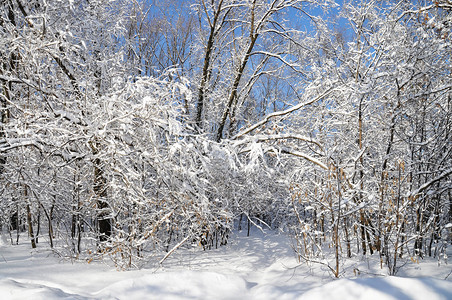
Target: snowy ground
[256, 267]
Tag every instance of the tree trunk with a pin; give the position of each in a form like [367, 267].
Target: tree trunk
[249, 226]
[215, 26]
[232, 99]
[100, 190]
[363, 233]
[38, 229]
[30, 227]
[347, 238]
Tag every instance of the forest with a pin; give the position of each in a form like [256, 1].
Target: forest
[130, 129]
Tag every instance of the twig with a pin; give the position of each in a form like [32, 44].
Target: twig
[7, 261]
[173, 249]
[445, 278]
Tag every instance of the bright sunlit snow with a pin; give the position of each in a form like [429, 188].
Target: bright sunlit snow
[261, 266]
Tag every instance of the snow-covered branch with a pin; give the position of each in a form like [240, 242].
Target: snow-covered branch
[270, 116]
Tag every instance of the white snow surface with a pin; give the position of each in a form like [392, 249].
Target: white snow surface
[261, 266]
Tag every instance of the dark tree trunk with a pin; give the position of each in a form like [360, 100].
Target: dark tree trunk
[15, 220]
[249, 226]
[38, 230]
[217, 24]
[100, 190]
